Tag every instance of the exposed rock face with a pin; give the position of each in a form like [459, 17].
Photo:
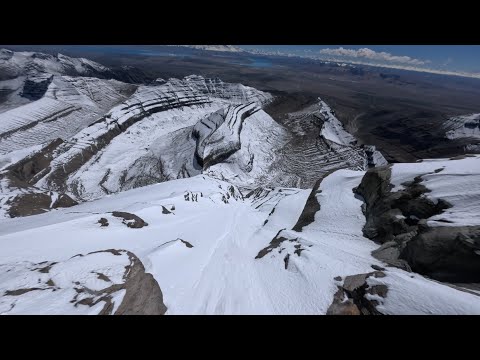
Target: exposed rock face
[311, 207]
[37, 203]
[342, 305]
[221, 144]
[374, 157]
[36, 86]
[26, 199]
[186, 127]
[131, 220]
[103, 222]
[352, 299]
[446, 253]
[202, 131]
[143, 295]
[318, 144]
[80, 285]
[29, 204]
[394, 215]
[26, 169]
[466, 126]
[189, 92]
[287, 245]
[274, 244]
[397, 220]
[63, 200]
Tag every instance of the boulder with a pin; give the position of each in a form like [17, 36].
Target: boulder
[446, 253]
[351, 299]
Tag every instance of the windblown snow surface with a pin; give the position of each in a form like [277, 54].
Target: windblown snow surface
[456, 181]
[219, 273]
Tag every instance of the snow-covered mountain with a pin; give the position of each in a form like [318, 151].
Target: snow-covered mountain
[14, 64]
[214, 250]
[467, 126]
[184, 196]
[171, 129]
[220, 48]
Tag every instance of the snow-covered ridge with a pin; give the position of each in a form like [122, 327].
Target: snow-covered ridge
[455, 181]
[221, 144]
[29, 115]
[222, 48]
[193, 96]
[211, 252]
[21, 63]
[332, 128]
[68, 105]
[181, 128]
[466, 126]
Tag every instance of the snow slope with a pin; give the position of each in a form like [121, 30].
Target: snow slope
[16, 63]
[466, 126]
[260, 139]
[456, 181]
[332, 128]
[68, 106]
[54, 290]
[28, 115]
[144, 143]
[172, 129]
[220, 272]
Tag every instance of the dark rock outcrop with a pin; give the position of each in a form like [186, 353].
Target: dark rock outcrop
[287, 244]
[143, 296]
[165, 210]
[449, 254]
[25, 171]
[397, 220]
[225, 141]
[311, 208]
[23, 174]
[63, 200]
[103, 222]
[131, 220]
[142, 293]
[36, 86]
[350, 298]
[274, 244]
[342, 305]
[186, 243]
[36, 203]
[394, 215]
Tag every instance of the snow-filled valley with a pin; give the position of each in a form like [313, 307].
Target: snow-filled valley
[186, 196]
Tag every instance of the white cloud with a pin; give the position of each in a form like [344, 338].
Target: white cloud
[366, 53]
[448, 61]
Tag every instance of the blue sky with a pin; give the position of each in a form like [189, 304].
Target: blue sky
[462, 58]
